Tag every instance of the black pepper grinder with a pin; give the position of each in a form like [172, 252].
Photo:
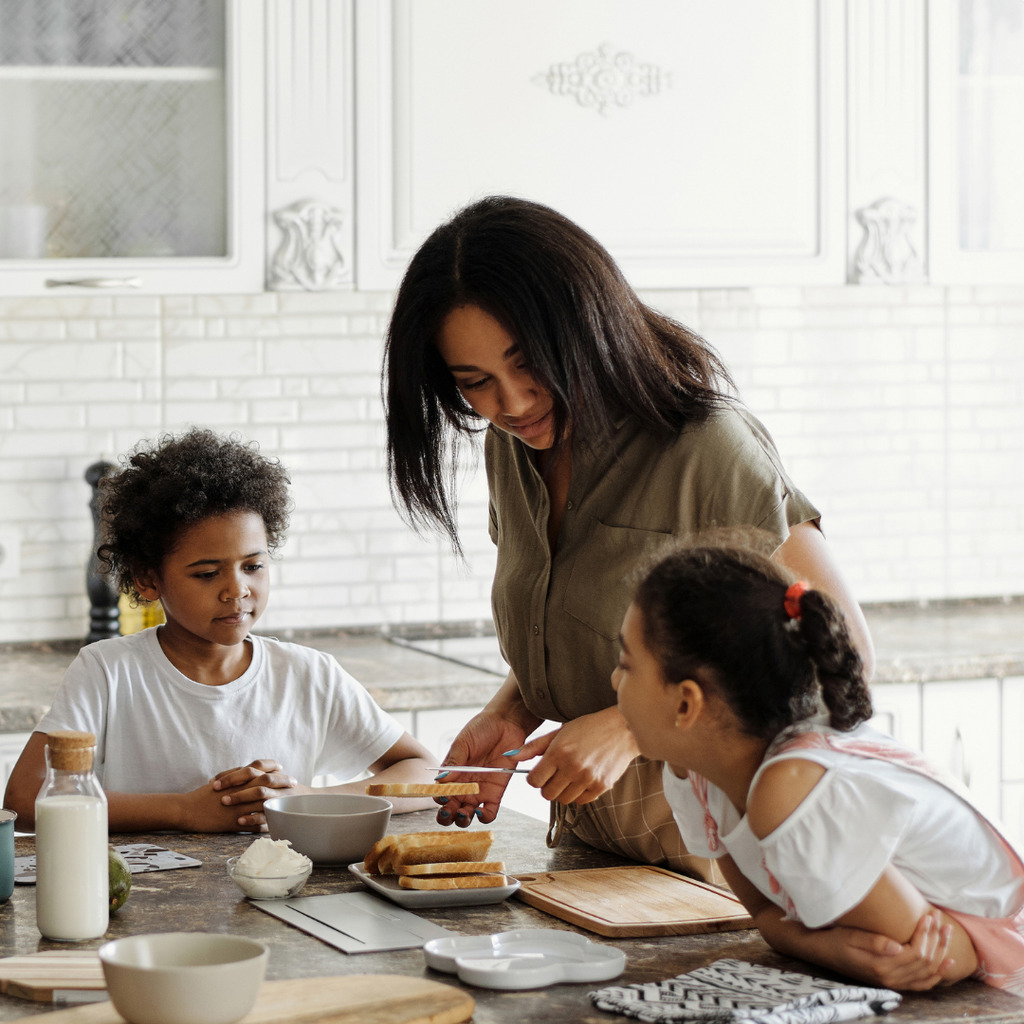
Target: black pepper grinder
[104, 617]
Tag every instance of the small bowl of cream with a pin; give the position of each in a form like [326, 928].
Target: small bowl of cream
[270, 870]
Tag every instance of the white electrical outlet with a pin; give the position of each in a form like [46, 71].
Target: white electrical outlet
[10, 556]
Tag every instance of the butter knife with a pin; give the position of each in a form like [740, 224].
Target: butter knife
[479, 768]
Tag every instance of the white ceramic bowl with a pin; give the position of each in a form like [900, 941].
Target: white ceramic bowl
[269, 887]
[329, 828]
[183, 977]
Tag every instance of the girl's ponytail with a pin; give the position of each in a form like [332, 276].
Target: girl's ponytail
[822, 631]
[722, 611]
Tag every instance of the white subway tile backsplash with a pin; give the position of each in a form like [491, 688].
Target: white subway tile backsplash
[202, 358]
[897, 410]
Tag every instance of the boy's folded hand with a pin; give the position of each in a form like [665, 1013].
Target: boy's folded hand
[262, 768]
[245, 788]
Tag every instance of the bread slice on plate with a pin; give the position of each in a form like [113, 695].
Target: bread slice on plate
[452, 881]
[453, 867]
[439, 846]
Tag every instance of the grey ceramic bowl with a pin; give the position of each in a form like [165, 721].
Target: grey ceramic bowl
[329, 828]
[183, 977]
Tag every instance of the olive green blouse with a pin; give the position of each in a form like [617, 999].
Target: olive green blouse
[558, 619]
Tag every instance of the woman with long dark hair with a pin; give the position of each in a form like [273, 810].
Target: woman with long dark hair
[610, 429]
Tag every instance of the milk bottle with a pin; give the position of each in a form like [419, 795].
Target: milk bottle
[71, 842]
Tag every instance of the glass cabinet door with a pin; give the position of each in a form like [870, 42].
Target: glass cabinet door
[123, 125]
[976, 152]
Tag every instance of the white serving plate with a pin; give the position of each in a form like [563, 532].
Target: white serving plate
[387, 886]
[527, 958]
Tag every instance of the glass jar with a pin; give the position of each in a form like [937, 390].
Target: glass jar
[72, 868]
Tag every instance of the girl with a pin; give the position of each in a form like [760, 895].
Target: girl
[608, 428]
[847, 848]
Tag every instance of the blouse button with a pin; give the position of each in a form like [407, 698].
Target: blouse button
[536, 630]
[568, 506]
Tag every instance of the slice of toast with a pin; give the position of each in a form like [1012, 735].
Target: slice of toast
[454, 867]
[452, 881]
[460, 846]
[423, 789]
[441, 845]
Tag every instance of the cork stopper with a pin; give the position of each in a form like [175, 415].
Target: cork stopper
[71, 751]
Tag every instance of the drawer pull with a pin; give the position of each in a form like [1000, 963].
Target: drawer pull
[96, 282]
[963, 766]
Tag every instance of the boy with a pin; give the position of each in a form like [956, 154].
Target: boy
[192, 522]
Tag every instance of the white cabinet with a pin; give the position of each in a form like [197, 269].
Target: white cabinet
[976, 145]
[133, 146]
[11, 746]
[702, 143]
[960, 734]
[898, 712]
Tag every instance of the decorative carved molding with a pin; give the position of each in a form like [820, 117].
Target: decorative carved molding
[886, 252]
[310, 255]
[604, 78]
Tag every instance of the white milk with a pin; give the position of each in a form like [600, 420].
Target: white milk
[72, 899]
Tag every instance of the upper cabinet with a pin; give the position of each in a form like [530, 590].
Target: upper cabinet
[133, 146]
[702, 143]
[976, 147]
[155, 146]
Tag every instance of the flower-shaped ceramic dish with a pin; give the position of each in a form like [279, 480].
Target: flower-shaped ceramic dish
[527, 958]
[269, 887]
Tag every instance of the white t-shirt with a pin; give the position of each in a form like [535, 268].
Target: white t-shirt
[157, 731]
[862, 815]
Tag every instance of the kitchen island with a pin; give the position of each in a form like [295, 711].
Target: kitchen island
[205, 899]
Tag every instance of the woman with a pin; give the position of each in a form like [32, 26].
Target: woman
[610, 430]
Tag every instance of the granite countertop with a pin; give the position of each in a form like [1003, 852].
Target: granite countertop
[460, 666]
[204, 899]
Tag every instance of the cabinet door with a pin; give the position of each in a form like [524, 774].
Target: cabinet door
[976, 144]
[898, 712]
[960, 734]
[701, 143]
[132, 156]
[11, 746]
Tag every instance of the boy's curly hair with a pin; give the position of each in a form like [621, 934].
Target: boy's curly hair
[165, 488]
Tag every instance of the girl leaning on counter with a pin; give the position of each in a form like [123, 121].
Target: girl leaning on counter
[609, 430]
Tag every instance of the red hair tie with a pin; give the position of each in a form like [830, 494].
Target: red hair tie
[791, 602]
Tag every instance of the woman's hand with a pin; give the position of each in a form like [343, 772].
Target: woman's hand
[483, 741]
[581, 759]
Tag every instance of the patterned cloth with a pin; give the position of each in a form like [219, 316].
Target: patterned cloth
[732, 991]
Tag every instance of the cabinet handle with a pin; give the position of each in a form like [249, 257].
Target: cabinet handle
[960, 748]
[96, 282]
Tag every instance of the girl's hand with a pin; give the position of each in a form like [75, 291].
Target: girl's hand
[483, 741]
[919, 965]
[582, 759]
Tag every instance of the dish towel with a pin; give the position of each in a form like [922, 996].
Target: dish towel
[734, 991]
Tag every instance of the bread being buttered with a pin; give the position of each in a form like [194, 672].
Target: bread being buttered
[423, 789]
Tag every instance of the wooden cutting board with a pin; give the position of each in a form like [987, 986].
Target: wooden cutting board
[636, 899]
[36, 975]
[355, 999]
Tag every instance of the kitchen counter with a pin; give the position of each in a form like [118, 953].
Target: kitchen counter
[445, 667]
[205, 899]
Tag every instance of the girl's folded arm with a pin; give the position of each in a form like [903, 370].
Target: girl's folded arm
[867, 956]
[893, 912]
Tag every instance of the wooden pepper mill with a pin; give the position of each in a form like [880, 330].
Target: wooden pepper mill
[104, 617]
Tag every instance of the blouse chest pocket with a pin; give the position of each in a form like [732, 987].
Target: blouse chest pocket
[604, 574]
